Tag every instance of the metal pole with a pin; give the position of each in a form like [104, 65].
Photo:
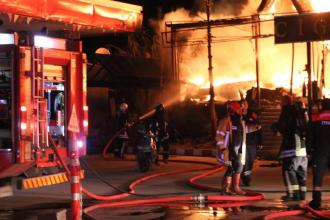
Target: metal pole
[292, 69]
[308, 68]
[256, 33]
[324, 64]
[173, 55]
[209, 41]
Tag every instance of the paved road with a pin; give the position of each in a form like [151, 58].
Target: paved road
[28, 204]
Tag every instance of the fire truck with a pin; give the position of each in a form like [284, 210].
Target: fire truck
[43, 81]
[42, 97]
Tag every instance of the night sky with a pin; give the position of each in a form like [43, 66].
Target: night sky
[156, 9]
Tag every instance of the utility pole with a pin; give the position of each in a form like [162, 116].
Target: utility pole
[209, 42]
[292, 70]
[309, 71]
[256, 34]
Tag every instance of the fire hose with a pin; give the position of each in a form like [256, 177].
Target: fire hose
[200, 198]
[305, 211]
[133, 184]
[253, 196]
[105, 149]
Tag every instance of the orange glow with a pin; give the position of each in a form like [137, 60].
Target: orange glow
[234, 64]
[283, 80]
[201, 80]
[321, 5]
[326, 92]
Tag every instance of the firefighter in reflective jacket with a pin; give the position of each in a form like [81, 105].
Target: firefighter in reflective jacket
[320, 149]
[236, 148]
[292, 124]
[253, 141]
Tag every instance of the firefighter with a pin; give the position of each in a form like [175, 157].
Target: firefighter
[236, 147]
[145, 147]
[159, 127]
[320, 150]
[222, 138]
[253, 142]
[121, 125]
[292, 124]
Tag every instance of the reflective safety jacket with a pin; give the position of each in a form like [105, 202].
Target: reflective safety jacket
[320, 133]
[231, 136]
[223, 133]
[293, 142]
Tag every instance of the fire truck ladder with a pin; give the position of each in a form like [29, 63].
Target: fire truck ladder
[40, 130]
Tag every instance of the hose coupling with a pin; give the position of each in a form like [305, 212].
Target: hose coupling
[200, 199]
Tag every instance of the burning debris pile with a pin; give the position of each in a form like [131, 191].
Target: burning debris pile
[268, 97]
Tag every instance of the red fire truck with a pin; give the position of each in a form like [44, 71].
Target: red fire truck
[43, 81]
[42, 97]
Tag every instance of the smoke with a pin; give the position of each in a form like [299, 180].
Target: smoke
[233, 50]
[230, 7]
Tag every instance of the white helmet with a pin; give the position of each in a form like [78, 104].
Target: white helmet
[123, 106]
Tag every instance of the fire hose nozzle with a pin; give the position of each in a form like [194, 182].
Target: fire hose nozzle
[200, 199]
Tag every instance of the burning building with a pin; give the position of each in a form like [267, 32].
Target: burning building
[243, 49]
[234, 49]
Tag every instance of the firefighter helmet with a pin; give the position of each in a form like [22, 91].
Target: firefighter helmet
[123, 106]
[234, 107]
[160, 108]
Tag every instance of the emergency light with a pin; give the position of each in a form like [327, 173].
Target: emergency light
[85, 122]
[23, 118]
[80, 144]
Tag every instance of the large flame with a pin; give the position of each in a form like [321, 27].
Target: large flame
[234, 63]
[320, 5]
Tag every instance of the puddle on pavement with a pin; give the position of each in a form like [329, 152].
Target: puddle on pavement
[214, 211]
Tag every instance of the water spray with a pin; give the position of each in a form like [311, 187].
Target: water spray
[148, 114]
[166, 104]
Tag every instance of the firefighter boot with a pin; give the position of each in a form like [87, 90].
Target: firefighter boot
[316, 202]
[246, 180]
[236, 180]
[302, 195]
[287, 197]
[296, 195]
[226, 186]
